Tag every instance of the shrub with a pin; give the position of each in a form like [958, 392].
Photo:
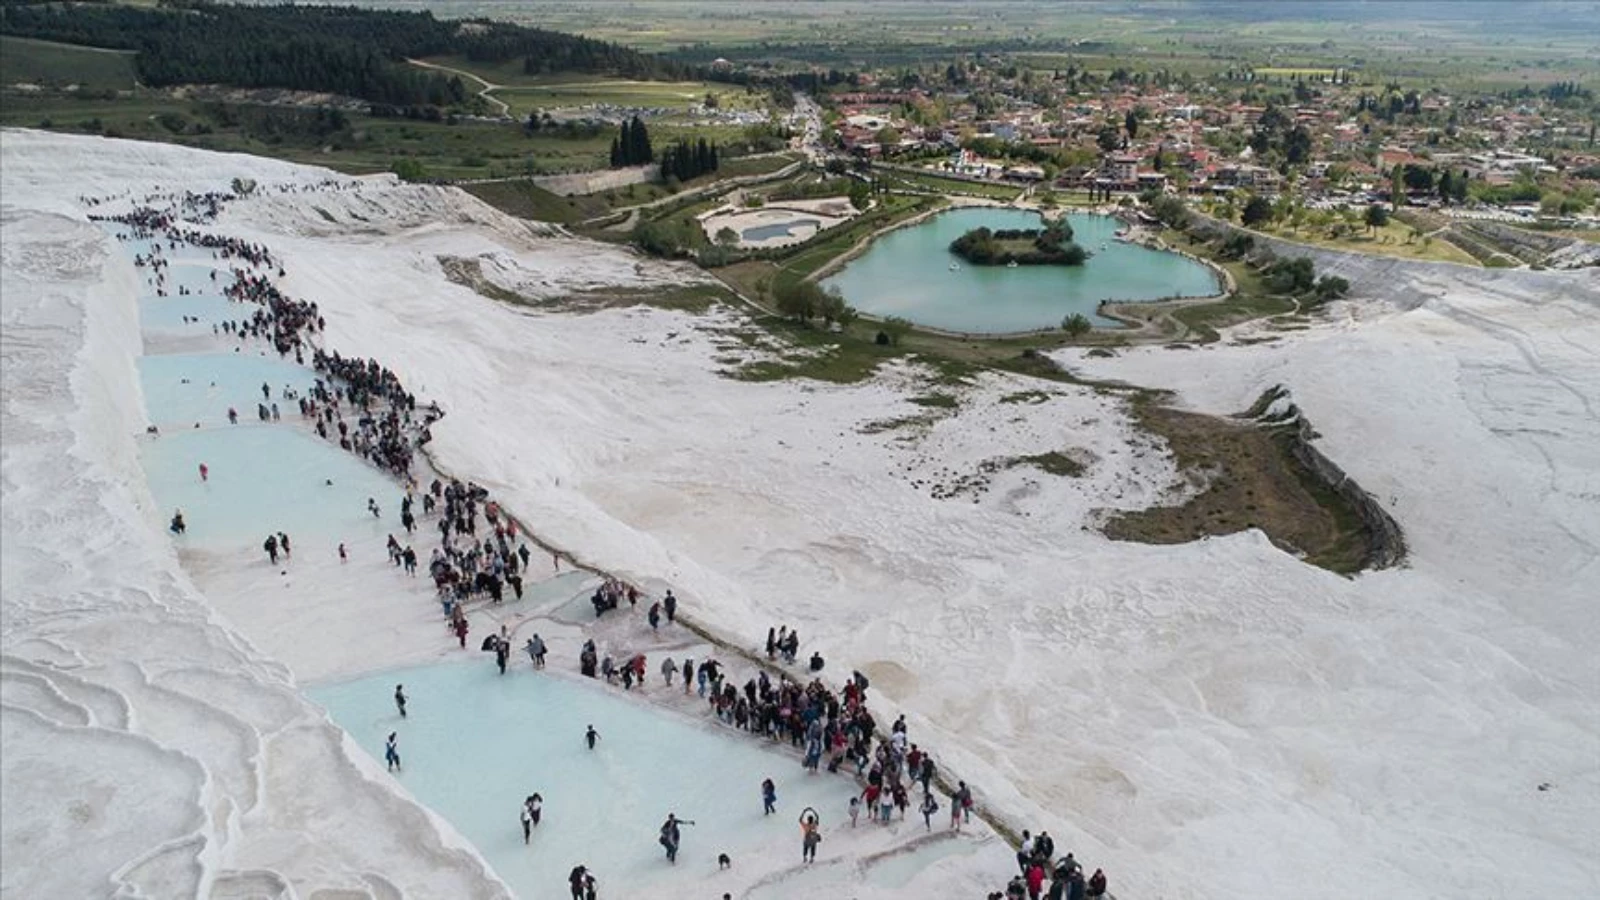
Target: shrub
[1331, 287]
[1076, 325]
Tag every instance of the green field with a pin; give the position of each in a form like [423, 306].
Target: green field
[524, 93]
[470, 149]
[1393, 239]
[1527, 43]
[47, 64]
[678, 95]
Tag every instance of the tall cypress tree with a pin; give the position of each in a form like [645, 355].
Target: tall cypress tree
[640, 151]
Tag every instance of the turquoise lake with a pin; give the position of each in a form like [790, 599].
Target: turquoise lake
[907, 273]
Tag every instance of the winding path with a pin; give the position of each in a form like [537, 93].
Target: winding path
[487, 87]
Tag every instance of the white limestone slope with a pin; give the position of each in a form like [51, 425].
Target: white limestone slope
[1210, 720]
[148, 749]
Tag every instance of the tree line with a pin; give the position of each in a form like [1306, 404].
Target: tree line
[343, 50]
[687, 160]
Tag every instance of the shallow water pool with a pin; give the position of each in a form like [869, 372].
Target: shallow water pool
[179, 278]
[779, 229]
[476, 743]
[266, 478]
[166, 314]
[181, 389]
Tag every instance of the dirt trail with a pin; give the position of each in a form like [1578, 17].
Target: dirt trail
[487, 86]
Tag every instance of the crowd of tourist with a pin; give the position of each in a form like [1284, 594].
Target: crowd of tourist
[829, 728]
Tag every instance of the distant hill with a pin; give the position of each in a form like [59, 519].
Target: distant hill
[342, 50]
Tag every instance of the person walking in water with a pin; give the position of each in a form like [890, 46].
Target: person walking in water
[205, 471]
[591, 736]
[579, 880]
[178, 526]
[535, 807]
[527, 822]
[391, 751]
[671, 836]
[810, 834]
[400, 699]
[769, 797]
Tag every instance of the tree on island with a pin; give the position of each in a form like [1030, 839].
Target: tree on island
[1050, 246]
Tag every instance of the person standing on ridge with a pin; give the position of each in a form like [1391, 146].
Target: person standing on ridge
[670, 604]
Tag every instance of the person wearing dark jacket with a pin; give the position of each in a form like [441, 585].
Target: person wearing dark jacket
[1075, 885]
[1097, 884]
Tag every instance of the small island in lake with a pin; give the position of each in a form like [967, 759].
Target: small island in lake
[1051, 246]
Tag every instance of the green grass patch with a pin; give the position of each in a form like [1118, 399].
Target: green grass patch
[48, 64]
[1394, 239]
[1053, 463]
[937, 401]
[1031, 398]
[526, 200]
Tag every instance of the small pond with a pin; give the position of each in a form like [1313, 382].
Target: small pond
[911, 273]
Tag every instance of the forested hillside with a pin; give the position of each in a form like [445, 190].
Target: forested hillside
[342, 50]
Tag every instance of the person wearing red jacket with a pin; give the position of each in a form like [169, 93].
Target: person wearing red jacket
[1035, 879]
